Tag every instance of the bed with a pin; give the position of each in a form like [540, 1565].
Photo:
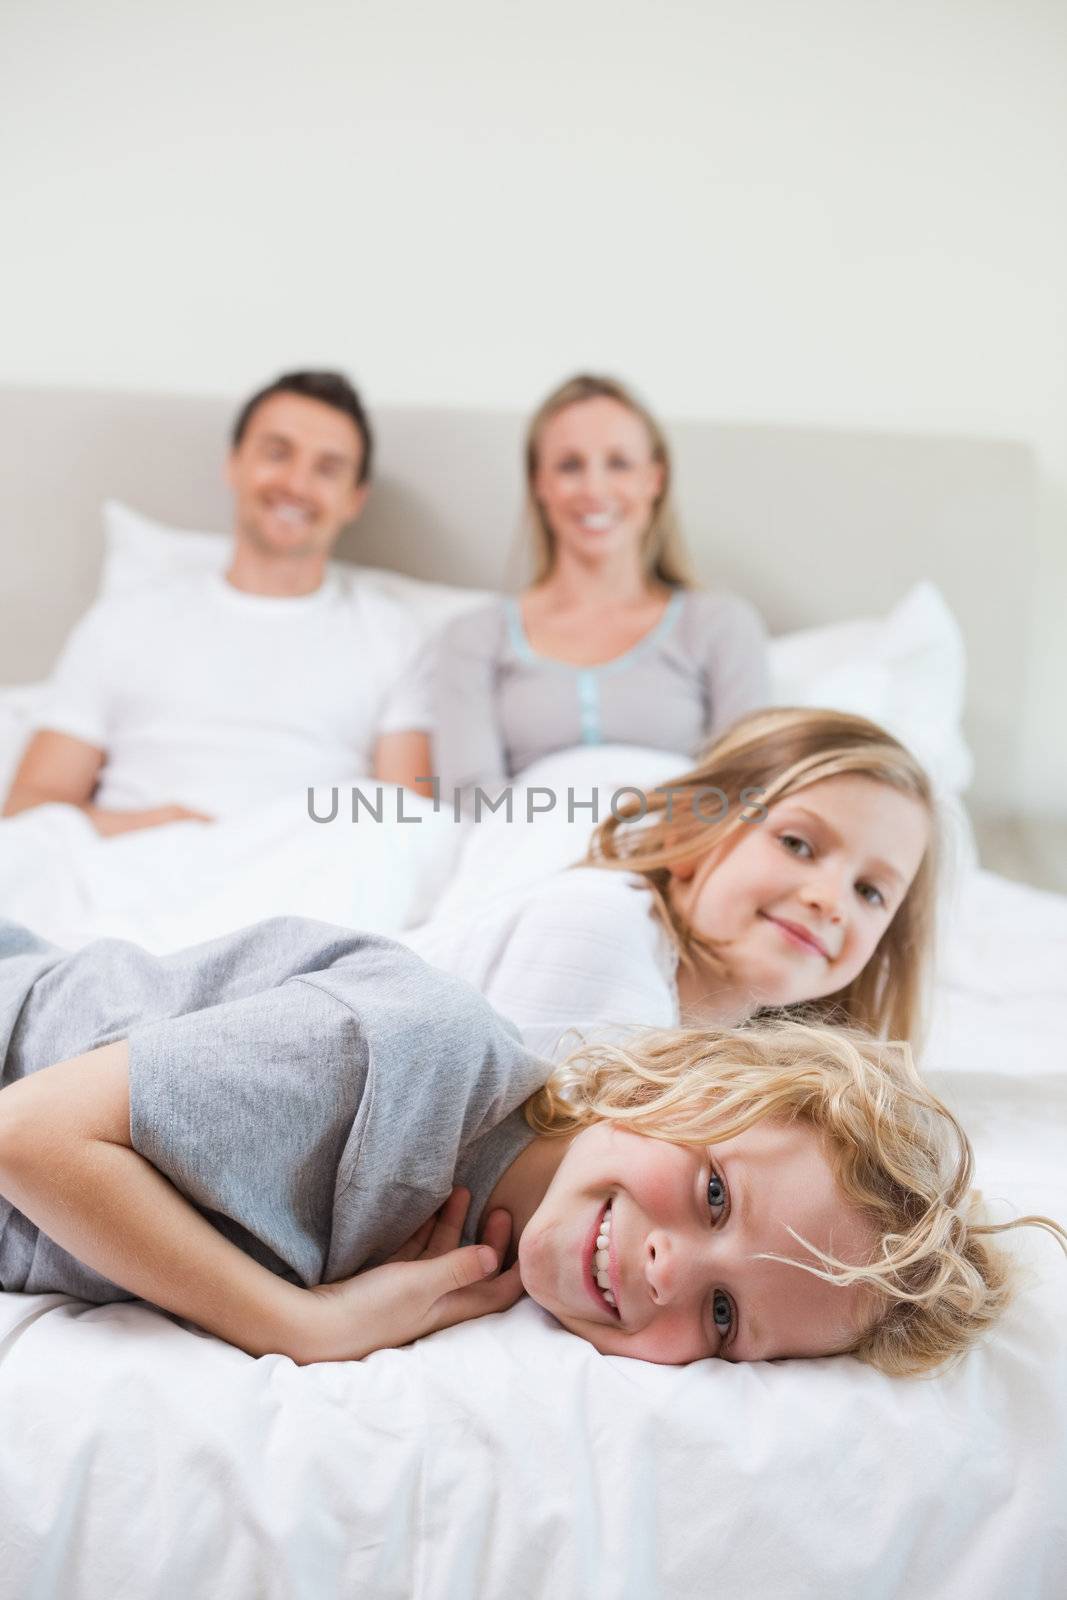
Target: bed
[142, 1458]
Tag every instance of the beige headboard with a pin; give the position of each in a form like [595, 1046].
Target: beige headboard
[812, 525]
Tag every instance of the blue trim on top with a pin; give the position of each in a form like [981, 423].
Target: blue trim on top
[656, 636]
[517, 633]
[525, 651]
[589, 706]
[586, 679]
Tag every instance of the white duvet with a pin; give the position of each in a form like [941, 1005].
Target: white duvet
[142, 1459]
[178, 885]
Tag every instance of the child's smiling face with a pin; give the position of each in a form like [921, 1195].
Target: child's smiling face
[796, 904]
[679, 1231]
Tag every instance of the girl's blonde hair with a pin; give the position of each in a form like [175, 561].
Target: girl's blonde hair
[662, 548]
[763, 758]
[898, 1155]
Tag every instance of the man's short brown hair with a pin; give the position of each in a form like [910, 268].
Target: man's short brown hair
[331, 389]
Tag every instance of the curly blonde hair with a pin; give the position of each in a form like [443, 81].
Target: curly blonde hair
[662, 548]
[898, 1155]
[777, 753]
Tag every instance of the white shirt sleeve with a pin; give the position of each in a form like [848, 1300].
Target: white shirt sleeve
[87, 678]
[586, 957]
[407, 705]
[404, 705]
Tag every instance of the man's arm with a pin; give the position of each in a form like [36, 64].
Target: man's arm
[58, 769]
[68, 1164]
[403, 757]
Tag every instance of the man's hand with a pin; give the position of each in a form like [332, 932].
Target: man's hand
[58, 769]
[110, 823]
[430, 1283]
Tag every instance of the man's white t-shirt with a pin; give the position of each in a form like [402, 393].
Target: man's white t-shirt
[211, 698]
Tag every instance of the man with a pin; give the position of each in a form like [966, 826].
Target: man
[213, 694]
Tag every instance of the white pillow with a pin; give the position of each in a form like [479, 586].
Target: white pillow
[140, 553]
[906, 671]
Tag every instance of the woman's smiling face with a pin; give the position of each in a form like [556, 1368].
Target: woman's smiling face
[795, 905]
[596, 480]
[675, 1232]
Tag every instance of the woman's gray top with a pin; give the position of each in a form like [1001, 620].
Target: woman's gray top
[498, 705]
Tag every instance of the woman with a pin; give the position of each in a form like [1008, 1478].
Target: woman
[611, 643]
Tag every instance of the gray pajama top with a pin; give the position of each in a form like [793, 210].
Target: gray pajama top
[314, 1092]
[499, 706]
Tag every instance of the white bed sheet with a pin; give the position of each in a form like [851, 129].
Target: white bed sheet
[141, 1458]
[174, 886]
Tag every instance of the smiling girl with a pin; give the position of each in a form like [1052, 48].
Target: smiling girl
[822, 893]
[819, 894]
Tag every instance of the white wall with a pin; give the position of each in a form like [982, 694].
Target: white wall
[837, 212]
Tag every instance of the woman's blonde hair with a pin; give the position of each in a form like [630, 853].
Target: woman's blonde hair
[898, 1155]
[763, 758]
[662, 548]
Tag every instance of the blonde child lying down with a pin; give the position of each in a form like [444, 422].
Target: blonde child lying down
[294, 1136]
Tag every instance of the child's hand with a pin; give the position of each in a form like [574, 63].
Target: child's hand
[430, 1283]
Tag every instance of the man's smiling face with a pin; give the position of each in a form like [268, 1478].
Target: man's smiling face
[294, 477]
